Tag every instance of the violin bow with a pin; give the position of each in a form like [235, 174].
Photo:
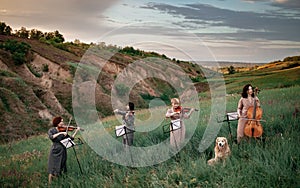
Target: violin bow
[69, 124]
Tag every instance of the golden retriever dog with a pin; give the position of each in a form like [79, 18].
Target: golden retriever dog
[222, 151]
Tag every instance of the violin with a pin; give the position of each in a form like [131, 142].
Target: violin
[253, 127]
[178, 109]
[65, 128]
[183, 109]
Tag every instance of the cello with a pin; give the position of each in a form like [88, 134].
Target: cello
[253, 127]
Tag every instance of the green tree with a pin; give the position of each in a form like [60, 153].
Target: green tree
[53, 37]
[5, 29]
[35, 34]
[8, 30]
[22, 33]
[59, 37]
[231, 70]
[49, 35]
[2, 27]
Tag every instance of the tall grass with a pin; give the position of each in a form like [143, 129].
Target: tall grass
[273, 162]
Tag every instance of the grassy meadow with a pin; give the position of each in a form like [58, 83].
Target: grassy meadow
[274, 162]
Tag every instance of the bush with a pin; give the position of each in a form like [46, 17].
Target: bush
[45, 68]
[19, 58]
[231, 70]
[34, 71]
[72, 68]
[196, 79]
[19, 50]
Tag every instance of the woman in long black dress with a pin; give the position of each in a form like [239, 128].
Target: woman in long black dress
[58, 153]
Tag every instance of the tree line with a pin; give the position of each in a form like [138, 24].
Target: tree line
[57, 40]
[55, 36]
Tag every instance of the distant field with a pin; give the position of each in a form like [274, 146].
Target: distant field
[264, 79]
[209, 64]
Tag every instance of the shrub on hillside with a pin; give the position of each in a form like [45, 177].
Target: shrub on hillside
[45, 68]
[19, 50]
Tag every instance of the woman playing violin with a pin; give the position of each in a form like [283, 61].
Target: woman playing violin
[58, 153]
[246, 101]
[177, 113]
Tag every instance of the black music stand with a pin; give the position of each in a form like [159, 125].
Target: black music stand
[68, 143]
[123, 130]
[174, 127]
[229, 116]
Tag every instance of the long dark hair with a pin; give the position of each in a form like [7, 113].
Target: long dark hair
[245, 89]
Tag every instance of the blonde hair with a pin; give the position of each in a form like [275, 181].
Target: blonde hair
[175, 100]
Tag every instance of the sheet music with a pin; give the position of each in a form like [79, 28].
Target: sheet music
[175, 124]
[120, 130]
[232, 116]
[67, 142]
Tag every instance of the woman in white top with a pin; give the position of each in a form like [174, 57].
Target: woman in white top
[176, 113]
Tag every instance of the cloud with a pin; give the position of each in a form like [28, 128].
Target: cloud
[52, 7]
[75, 17]
[223, 29]
[285, 4]
[230, 23]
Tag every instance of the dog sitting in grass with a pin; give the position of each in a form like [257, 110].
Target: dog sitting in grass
[222, 151]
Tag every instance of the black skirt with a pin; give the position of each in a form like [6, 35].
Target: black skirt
[57, 161]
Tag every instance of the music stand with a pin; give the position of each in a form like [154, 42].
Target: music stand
[122, 130]
[68, 143]
[229, 116]
[173, 126]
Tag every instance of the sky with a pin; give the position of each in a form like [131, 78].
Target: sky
[256, 31]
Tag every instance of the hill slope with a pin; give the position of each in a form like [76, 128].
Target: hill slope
[34, 91]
